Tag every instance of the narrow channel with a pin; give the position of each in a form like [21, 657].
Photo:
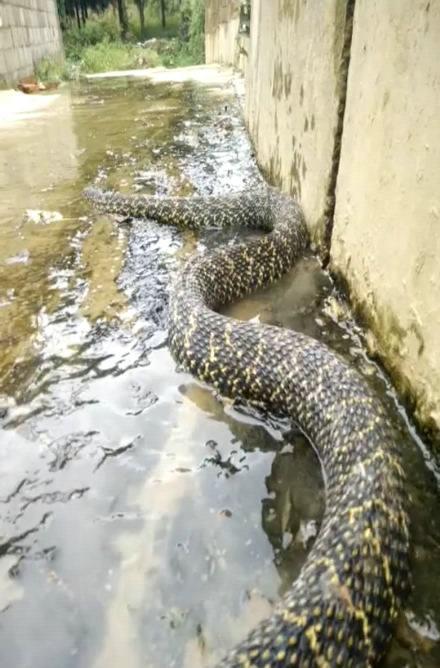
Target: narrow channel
[145, 521]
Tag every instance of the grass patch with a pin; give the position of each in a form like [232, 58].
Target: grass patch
[153, 28]
[108, 56]
[98, 29]
[55, 70]
[104, 28]
[97, 46]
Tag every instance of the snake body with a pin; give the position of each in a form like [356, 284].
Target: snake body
[341, 609]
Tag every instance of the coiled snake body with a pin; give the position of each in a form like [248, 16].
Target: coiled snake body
[340, 610]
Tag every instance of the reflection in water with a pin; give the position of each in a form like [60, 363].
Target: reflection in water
[292, 512]
[138, 552]
[144, 520]
[38, 154]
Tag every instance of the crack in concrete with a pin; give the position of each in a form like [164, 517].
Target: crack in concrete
[344, 66]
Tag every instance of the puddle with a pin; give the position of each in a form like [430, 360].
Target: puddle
[144, 521]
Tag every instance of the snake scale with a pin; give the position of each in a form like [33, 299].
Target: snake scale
[341, 609]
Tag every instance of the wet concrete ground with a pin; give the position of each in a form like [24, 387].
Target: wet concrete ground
[144, 521]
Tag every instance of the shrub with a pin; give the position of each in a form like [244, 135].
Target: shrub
[55, 70]
[108, 56]
[197, 31]
[192, 32]
[97, 30]
[97, 46]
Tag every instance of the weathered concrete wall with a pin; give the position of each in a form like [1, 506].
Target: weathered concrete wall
[223, 42]
[29, 31]
[221, 31]
[386, 235]
[363, 156]
[295, 77]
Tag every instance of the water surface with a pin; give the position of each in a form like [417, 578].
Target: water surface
[145, 521]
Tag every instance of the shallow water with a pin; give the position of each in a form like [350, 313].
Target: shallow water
[146, 522]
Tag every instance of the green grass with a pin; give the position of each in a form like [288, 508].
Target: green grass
[97, 30]
[196, 44]
[105, 28]
[54, 70]
[153, 28]
[97, 46]
[108, 56]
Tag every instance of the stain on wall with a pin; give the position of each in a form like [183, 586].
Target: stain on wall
[363, 157]
[223, 42]
[386, 241]
[295, 65]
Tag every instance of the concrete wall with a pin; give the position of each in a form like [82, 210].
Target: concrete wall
[386, 235]
[29, 31]
[362, 153]
[295, 73]
[294, 61]
[221, 31]
[223, 42]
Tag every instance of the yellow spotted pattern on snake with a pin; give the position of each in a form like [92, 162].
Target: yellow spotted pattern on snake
[341, 609]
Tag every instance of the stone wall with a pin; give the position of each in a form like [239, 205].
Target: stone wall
[29, 31]
[343, 106]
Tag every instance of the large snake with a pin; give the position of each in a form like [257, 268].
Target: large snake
[341, 609]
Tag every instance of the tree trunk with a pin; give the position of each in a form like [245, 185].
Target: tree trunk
[83, 12]
[162, 13]
[78, 15]
[123, 18]
[62, 12]
[141, 8]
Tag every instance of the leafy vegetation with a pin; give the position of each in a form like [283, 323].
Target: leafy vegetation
[108, 56]
[103, 35]
[52, 70]
[194, 14]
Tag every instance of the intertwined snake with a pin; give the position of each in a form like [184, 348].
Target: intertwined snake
[340, 610]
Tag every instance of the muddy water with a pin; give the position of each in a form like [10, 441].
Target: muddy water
[144, 521]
